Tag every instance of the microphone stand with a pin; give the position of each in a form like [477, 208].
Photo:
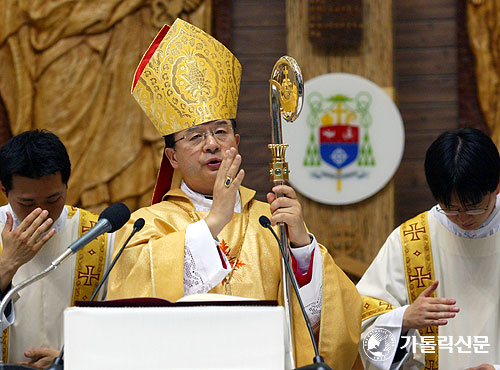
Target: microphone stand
[58, 363]
[319, 363]
[10, 294]
[8, 297]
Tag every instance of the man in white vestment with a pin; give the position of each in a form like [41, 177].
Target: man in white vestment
[432, 290]
[36, 227]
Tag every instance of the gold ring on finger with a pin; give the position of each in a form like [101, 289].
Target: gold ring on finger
[228, 181]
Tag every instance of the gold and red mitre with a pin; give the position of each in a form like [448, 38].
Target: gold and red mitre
[185, 78]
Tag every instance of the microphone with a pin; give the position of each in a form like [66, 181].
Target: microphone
[58, 363]
[319, 363]
[110, 220]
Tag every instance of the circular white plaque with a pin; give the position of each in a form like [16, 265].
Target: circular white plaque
[348, 141]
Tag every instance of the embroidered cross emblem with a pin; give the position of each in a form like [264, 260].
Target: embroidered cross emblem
[87, 228]
[88, 275]
[420, 277]
[414, 231]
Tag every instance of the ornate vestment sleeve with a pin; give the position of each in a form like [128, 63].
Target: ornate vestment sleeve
[384, 282]
[205, 266]
[383, 288]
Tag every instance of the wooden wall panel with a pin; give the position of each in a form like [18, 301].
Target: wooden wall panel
[424, 34]
[356, 231]
[423, 9]
[268, 14]
[440, 115]
[426, 61]
[425, 67]
[416, 147]
[415, 89]
[263, 41]
[259, 40]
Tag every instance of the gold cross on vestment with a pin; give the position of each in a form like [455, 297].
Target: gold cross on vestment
[420, 277]
[414, 231]
[88, 275]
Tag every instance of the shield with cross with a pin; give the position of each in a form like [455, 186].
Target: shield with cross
[339, 145]
[339, 133]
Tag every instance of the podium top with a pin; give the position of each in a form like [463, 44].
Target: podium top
[159, 302]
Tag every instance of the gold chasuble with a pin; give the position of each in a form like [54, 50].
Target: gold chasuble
[419, 271]
[89, 266]
[152, 265]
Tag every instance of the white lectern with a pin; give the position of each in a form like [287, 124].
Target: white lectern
[178, 337]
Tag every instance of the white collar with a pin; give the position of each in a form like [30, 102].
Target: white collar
[58, 225]
[489, 227]
[202, 203]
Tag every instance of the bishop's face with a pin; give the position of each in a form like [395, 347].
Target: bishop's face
[199, 152]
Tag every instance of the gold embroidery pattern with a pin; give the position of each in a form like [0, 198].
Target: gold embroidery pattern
[5, 345]
[71, 211]
[419, 268]
[190, 79]
[90, 260]
[234, 261]
[373, 307]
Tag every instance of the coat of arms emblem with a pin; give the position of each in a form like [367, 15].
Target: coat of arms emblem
[341, 124]
[347, 143]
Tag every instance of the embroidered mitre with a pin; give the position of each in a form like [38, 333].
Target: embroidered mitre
[186, 78]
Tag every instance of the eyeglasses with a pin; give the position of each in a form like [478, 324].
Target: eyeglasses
[196, 137]
[470, 212]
